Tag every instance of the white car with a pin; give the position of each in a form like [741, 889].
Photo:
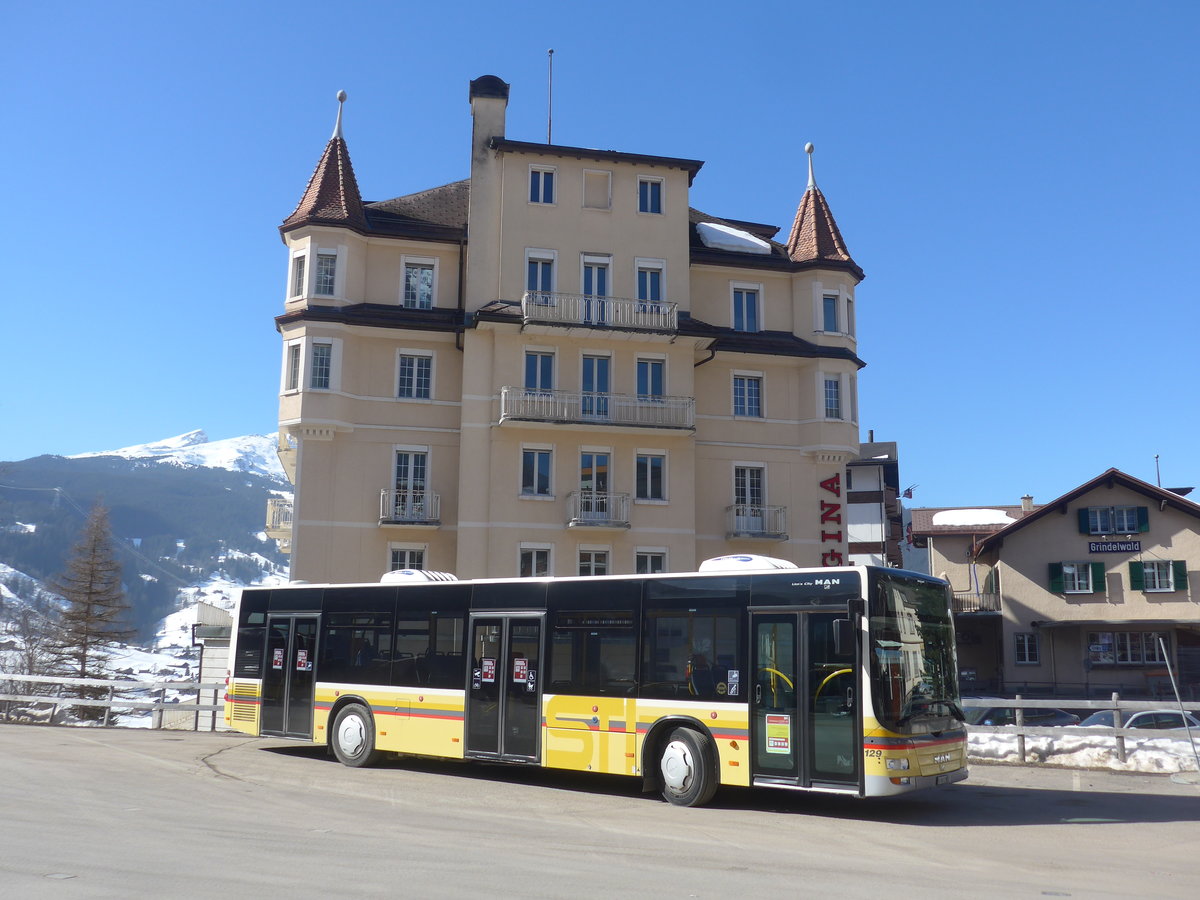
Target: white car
[1150, 719]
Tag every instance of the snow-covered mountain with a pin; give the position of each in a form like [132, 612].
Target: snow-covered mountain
[252, 453]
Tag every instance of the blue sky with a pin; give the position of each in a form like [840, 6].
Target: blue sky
[1017, 179]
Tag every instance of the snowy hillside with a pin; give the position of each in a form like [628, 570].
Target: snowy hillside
[253, 453]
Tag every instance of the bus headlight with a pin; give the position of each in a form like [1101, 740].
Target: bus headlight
[897, 763]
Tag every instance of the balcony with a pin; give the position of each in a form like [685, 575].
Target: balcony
[597, 509]
[972, 602]
[591, 409]
[415, 509]
[759, 523]
[556, 308]
[279, 522]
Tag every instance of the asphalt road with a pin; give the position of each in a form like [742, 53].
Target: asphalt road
[132, 813]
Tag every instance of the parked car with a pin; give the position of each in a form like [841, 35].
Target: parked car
[1007, 715]
[1157, 719]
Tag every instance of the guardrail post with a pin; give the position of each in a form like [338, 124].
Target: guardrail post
[1020, 732]
[156, 717]
[108, 709]
[1117, 722]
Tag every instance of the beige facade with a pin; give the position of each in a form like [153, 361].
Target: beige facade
[557, 365]
[1085, 588]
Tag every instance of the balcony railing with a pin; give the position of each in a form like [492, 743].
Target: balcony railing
[605, 312]
[583, 407]
[971, 602]
[597, 509]
[767, 523]
[400, 507]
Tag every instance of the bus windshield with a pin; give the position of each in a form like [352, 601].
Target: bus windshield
[913, 665]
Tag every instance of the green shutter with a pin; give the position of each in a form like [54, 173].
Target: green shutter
[1056, 579]
[1084, 526]
[1098, 585]
[1143, 515]
[1137, 576]
[1179, 571]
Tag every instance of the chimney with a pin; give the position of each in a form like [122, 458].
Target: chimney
[489, 100]
[1027, 504]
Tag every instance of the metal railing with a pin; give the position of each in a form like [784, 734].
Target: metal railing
[747, 520]
[586, 407]
[399, 507]
[972, 601]
[597, 509]
[163, 713]
[561, 308]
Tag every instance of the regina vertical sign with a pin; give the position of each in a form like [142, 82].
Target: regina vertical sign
[831, 522]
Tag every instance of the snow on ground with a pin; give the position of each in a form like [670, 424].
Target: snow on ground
[1080, 750]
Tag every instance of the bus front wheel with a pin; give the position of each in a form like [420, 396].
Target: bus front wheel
[688, 770]
[354, 737]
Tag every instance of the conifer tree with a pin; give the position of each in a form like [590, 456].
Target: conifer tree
[94, 613]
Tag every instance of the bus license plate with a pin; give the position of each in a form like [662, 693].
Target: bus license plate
[942, 779]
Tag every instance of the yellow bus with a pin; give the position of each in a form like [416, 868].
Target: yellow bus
[750, 672]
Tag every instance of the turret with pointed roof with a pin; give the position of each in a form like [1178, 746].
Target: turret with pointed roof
[815, 237]
[332, 196]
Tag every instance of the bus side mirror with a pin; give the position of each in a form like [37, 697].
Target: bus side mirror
[843, 636]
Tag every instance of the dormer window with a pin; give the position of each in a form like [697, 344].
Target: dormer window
[541, 185]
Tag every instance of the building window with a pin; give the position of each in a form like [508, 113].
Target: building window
[416, 377]
[1025, 643]
[1159, 575]
[745, 309]
[649, 283]
[418, 285]
[595, 288]
[747, 396]
[833, 398]
[651, 476]
[292, 378]
[298, 276]
[535, 473]
[593, 562]
[326, 274]
[597, 189]
[1076, 577]
[539, 278]
[322, 366]
[1126, 648]
[541, 185]
[407, 558]
[595, 385]
[651, 378]
[535, 562]
[650, 562]
[749, 493]
[539, 371]
[650, 195]
[829, 314]
[1113, 519]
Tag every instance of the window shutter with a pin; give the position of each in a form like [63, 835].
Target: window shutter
[1137, 576]
[1056, 579]
[1098, 586]
[1084, 527]
[1143, 515]
[1179, 572]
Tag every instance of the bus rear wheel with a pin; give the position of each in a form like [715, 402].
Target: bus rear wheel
[353, 737]
[687, 768]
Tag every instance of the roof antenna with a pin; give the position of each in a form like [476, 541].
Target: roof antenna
[549, 92]
[1157, 473]
[337, 126]
[808, 148]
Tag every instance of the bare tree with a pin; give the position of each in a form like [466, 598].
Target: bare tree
[94, 609]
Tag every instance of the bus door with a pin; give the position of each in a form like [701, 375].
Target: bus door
[804, 703]
[288, 677]
[504, 696]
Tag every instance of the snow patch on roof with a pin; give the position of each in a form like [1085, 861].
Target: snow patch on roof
[960, 517]
[726, 237]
